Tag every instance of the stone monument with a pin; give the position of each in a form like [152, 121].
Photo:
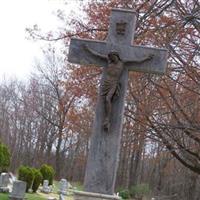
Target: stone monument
[63, 186]
[117, 56]
[18, 191]
[45, 187]
[4, 181]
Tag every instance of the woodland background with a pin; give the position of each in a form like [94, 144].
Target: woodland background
[48, 119]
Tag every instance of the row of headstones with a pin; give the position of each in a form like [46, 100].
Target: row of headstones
[64, 185]
[19, 187]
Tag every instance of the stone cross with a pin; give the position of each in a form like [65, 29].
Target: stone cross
[18, 191]
[103, 156]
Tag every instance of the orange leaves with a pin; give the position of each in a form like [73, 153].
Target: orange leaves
[157, 107]
[84, 81]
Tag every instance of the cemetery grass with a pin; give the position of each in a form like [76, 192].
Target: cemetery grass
[28, 196]
[77, 185]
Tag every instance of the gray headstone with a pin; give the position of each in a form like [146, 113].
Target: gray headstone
[4, 180]
[18, 191]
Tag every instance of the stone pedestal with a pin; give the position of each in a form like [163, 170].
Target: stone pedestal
[93, 196]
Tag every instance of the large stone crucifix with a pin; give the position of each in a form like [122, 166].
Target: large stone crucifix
[117, 56]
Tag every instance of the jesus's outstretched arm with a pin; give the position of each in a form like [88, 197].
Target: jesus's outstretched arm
[139, 61]
[93, 52]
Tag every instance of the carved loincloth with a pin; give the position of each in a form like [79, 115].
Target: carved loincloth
[108, 85]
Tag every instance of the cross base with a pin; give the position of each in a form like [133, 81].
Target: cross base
[93, 196]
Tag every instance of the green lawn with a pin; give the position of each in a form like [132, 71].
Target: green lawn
[78, 186]
[34, 196]
[3, 196]
[29, 197]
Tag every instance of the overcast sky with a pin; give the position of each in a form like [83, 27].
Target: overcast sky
[18, 53]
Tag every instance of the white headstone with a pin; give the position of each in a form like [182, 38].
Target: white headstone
[18, 191]
[63, 186]
[12, 178]
[45, 187]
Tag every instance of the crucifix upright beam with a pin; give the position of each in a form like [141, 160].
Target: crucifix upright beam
[104, 150]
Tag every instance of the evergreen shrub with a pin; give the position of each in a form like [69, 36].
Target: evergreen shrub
[37, 179]
[26, 174]
[4, 158]
[124, 193]
[48, 173]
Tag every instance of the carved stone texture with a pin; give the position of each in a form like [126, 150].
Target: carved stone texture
[78, 55]
[121, 28]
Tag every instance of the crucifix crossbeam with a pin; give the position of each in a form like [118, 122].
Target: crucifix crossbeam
[103, 156]
[121, 43]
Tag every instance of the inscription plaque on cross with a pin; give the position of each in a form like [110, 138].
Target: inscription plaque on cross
[104, 150]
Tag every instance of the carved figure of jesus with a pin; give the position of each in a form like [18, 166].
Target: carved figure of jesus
[110, 87]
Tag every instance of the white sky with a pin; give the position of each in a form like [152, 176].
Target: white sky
[17, 54]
